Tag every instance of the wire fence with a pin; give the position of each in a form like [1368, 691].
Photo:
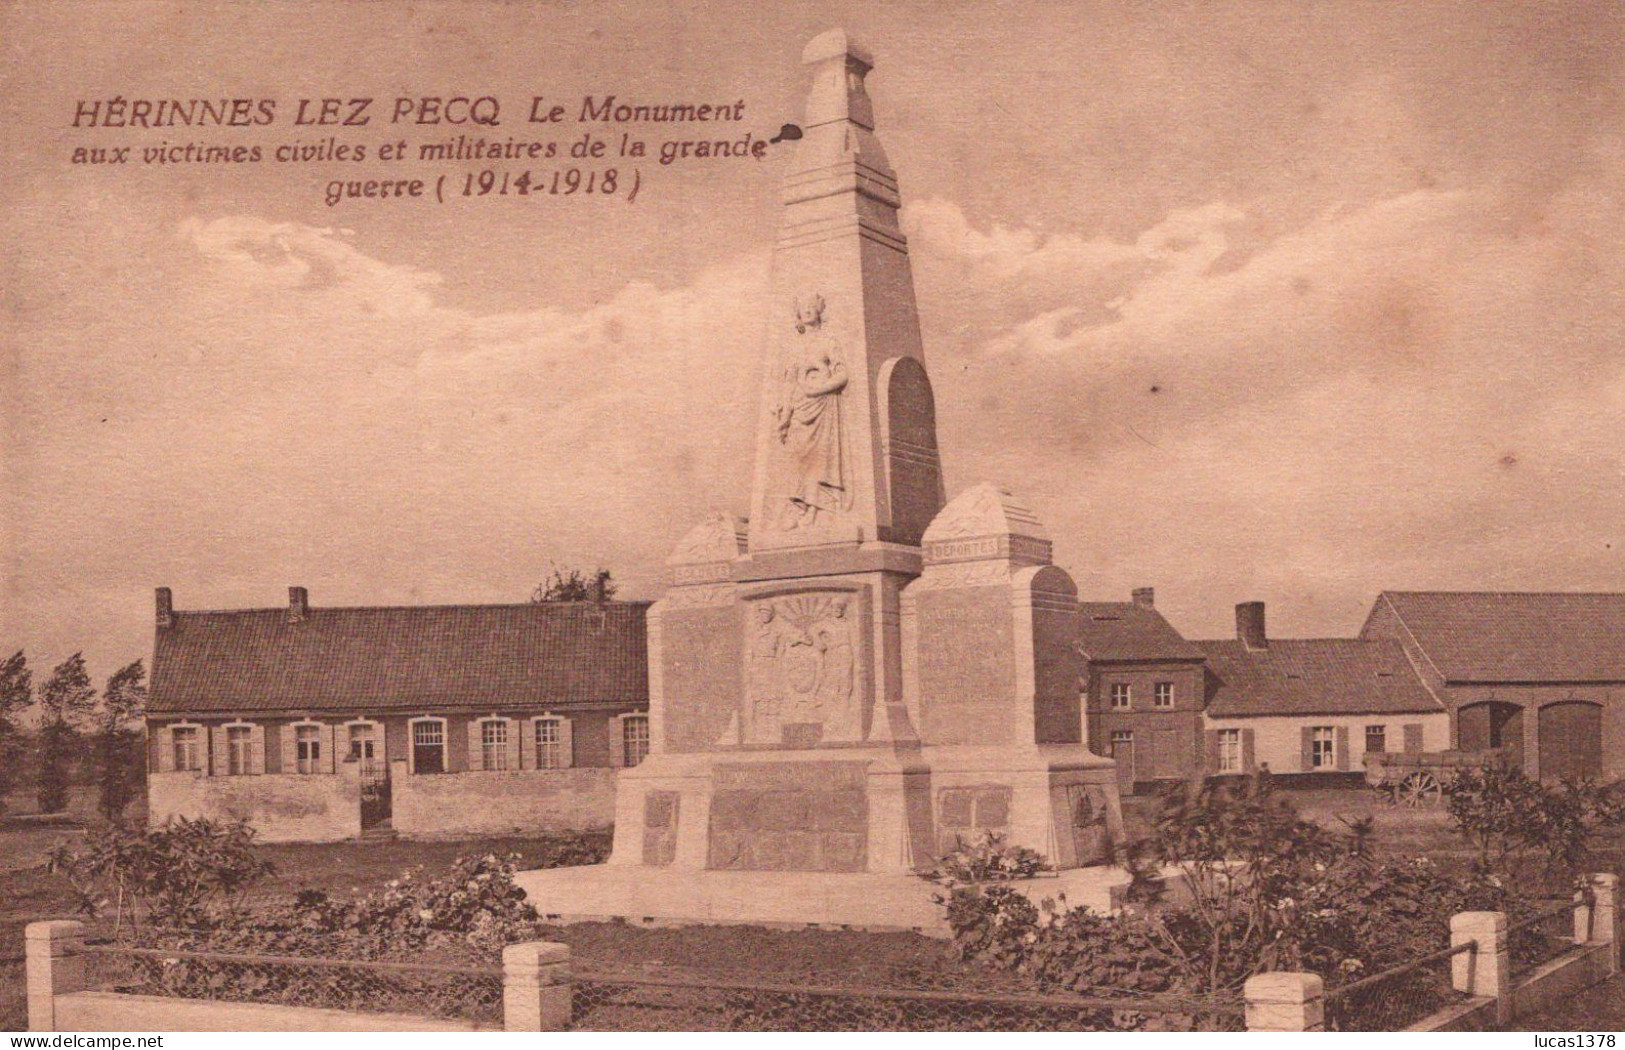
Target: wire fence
[1395, 999]
[469, 993]
[1541, 936]
[658, 998]
[642, 1000]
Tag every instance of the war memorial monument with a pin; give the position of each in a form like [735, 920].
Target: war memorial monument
[863, 672]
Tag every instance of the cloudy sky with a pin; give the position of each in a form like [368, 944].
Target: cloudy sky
[1292, 302]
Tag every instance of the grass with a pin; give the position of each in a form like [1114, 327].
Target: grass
[1600, 1008]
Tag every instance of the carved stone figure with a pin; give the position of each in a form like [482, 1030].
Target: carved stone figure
[766, 693]
[807, 419]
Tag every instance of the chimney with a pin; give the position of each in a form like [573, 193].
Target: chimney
[1146, 596]
[600, 587]
[1250, 625]
[166, 609]
[298, 605]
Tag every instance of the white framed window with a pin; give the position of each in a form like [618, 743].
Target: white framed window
[1322, 747]
[428, 745]
[1229, 751]
[1376, 738]
[239, 751]
[549, 743]
[307, 743]
[363, 741]
[1122, 696]
[634, 739]
[187, 747]
[494, 744]
[1162, 695]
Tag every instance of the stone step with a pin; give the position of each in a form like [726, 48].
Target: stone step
[380, 833]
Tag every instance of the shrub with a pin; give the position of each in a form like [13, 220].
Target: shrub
[185, 873]
[471, 913]
[1524, 830]
[1257, 889]
[986, 860]
[568, 849]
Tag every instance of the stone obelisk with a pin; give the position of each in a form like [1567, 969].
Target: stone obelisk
[859, 674]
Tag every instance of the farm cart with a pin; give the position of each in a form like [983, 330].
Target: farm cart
[1418, 778]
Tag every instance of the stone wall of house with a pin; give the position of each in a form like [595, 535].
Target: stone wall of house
[509, 802]
[280, 807]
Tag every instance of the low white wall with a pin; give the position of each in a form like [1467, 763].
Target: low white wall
[452, 805]
[114, 1012]
[1278, 742]
[281, 807]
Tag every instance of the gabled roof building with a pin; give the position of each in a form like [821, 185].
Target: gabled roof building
[1541, 673]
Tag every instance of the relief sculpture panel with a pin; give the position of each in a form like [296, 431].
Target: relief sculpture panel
[801, 685]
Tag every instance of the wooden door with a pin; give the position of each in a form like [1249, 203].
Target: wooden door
[1571, 741]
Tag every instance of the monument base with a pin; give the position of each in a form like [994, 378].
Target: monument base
[797, 899]
[862, 809]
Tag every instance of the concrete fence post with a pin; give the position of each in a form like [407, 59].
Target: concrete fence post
[1285, 1002]
[536, 988]
[1487, 969]
[55, 966]
[1597, 915]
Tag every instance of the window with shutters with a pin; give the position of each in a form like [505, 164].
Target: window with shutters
[1162, 695]
[1376, 738]
[635, 738]
[1229, 751]
[188, 752]
[239, 751]
[494, 744]
[1122, 696]
[307, 742]
[1323, 747]
[429, 746]
[549, 743]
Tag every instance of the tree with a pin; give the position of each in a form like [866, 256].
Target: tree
[119, 759]
[573, 587]
[16, 694]
[66, 701]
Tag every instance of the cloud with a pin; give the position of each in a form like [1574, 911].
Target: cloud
[1416, 391]
[288, 256]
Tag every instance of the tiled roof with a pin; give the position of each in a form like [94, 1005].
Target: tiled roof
[445, 657]
[1516, 637]
[1318, 676]
[1130, 631]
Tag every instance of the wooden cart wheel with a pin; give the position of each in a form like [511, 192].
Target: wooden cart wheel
[1419, 789]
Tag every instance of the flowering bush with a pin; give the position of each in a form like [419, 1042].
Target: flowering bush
[986, 860]
[1256, 889]
[471, 912]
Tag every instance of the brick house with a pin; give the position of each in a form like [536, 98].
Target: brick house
[1541, 673]
[1143, 691]
[316, 723]
[1312, 708]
